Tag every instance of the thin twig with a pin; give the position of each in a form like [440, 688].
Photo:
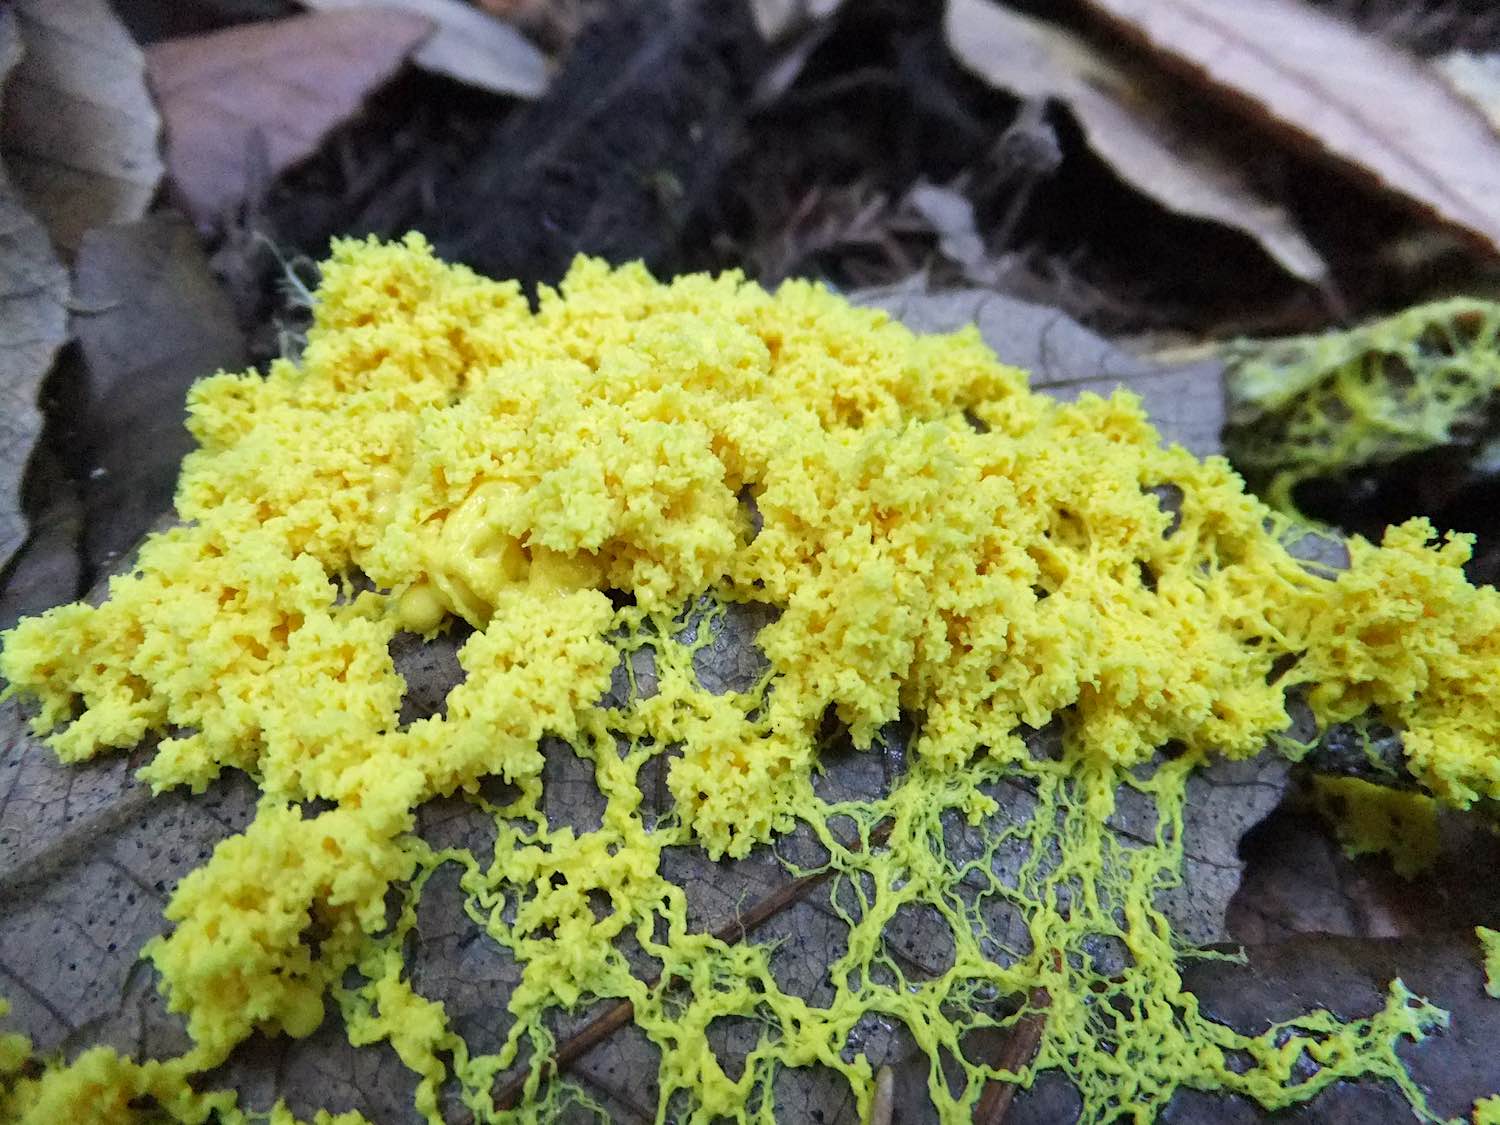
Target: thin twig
[1016, 1052]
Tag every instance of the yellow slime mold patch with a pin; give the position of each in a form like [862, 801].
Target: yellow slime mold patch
[1490, 941]
[1370, 819]
[933, 541]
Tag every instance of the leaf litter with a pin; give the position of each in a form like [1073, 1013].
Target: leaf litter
[1317, 77]
[1127, 120]
[80, 130]
[1063, 894]
[134, 1020]
[467, 45]
[243, 105]
[33, 326]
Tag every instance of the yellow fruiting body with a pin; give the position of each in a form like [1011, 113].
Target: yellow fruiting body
[477, 460]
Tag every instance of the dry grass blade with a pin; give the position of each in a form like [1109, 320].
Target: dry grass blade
[252, 101]
[1341, 92]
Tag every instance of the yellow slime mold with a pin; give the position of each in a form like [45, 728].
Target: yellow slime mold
[936, 542]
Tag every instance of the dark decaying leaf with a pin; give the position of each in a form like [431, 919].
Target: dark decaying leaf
[1129, 120]
[33, 324]
[48, 568]
[1343, 93]
[1348, 976]
[80, 130]
[1299, 880]
[87, 858]
[244, 104]
[151, 320]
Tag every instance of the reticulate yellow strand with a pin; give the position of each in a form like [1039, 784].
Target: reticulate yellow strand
[934, 541]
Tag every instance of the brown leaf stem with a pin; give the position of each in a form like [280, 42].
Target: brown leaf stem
[1015, 1051]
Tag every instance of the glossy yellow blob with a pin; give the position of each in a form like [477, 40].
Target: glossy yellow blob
[471, 458]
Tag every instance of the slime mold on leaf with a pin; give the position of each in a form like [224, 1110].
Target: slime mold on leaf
[567, 484]
[1322, 406]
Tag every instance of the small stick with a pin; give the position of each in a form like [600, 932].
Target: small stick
[1017, 1051]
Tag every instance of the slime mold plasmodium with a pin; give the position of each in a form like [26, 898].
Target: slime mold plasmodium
[1490, 941]
[1326, 405]
[935, 543]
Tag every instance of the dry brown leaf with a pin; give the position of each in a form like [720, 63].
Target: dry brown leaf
[245, 104]
[152, 319]
[80, 129]
[1126, 122]
[1348, 95]
[468, 45]
[33, 325]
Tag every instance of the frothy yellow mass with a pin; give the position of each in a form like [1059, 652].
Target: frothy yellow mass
[936, 542]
